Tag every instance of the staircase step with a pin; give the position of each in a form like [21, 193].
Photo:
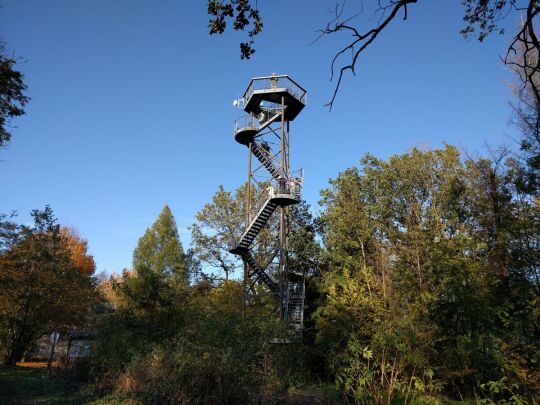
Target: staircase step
[255, 227]
[264, 159]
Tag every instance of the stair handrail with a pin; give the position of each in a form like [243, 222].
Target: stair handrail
[272, 157]
[261, 209]
[256, 205]
[276, 113]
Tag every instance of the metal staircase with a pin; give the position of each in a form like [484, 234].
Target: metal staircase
[255, 227]
[267, 116]
[260, 273]
[263, 155]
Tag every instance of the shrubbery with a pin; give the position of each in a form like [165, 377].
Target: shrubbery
[212, 357]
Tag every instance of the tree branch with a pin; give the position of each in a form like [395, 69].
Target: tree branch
[363, 40]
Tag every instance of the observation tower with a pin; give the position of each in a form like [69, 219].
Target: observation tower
[271, 103]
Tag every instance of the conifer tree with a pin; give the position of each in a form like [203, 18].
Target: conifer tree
[160, 265]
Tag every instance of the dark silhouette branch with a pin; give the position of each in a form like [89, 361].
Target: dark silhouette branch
[522, 57]
[360, 40]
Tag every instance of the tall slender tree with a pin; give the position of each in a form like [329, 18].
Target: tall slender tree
[159, 263]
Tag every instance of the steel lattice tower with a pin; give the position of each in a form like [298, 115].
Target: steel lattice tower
[271, 103]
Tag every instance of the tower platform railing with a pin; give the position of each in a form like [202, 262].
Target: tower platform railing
[245, 122]
[285, 187]
[276, 189]
[276, 82]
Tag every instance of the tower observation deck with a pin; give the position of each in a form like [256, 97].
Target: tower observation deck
[271, 103]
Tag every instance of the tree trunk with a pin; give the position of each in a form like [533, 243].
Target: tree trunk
[14, 355]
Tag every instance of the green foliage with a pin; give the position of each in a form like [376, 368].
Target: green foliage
[243, 13]
[305, 255]
[160, 269]
[210, 356]
[194, 348]
[485, 15]
[501, 389]
[206, 371]
[221, 222]
[422, 293]
[218, 228]
[154, 300]
[12, 94]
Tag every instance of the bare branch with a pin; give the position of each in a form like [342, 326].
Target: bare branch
[362, 40]
[523, 57]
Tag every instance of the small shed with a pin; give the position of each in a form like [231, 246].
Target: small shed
[79, 344]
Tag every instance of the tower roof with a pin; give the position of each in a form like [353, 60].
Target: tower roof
[267, 92]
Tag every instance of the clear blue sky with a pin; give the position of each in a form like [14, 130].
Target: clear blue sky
[132, 105]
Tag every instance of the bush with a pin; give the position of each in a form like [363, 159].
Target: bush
[202, 353]
[182, 372]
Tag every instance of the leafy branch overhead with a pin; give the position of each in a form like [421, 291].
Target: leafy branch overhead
[12, 97]
[243, 13]
[481, 17]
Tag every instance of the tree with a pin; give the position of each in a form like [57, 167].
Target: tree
[243, 13]
[481, 17]
[221, 223]
[526, 114]
[218, 228]
[151, 301]
[12, 94]
[159, 264]
[43, 288]
[110, 291]
[8, 231]
[304, 250]
[430, 281]
[78, 248]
